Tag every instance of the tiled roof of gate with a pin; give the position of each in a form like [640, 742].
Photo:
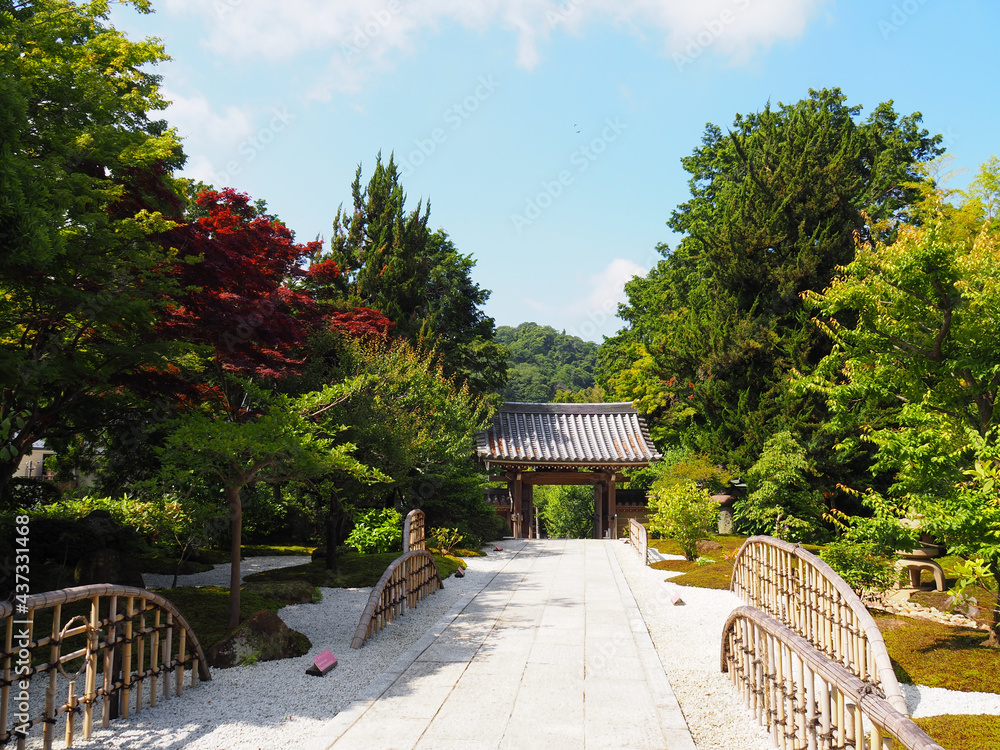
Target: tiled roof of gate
[567, 435]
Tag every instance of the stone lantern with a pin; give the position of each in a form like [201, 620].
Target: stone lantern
[725, 512]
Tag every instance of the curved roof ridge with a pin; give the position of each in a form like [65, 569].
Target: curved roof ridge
[592, 435]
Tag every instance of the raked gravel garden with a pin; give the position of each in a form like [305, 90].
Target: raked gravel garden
[276, 705]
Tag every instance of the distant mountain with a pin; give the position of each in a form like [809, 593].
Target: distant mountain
[543, 361]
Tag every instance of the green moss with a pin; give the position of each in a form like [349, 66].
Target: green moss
[165, 566]
[276, 550]
[714, 575]
[353, 570]
[966, 732]
[206, 609]
[939, 655]
[448, 564]
[459, 552]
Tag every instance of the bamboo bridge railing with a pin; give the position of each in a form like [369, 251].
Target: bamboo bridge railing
[805, 699]
[804, 593]
[414, 531]
[130, 645]
[410, 578]
[639, 538]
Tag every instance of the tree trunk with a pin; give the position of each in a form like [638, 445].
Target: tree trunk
[236, 512]
[994, 640]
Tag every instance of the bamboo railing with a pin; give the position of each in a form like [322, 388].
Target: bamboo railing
[131, 647]
[805, 699]
[414, 532]
[639, 538]
[410, 578]
[803, 592]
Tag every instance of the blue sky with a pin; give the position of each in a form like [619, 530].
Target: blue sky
[547, 135]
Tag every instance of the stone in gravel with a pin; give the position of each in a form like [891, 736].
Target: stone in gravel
[264, 637]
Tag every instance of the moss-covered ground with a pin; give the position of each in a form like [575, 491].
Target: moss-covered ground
[353, 570]
[206, 607]
[963, 732]
[714, 570]
[939, 655]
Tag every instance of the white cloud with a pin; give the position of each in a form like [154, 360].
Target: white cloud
[195, 119]
[364, 37]
[592, 314]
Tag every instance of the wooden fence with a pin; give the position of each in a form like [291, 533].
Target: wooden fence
[410, 578]
[798, 589]
[639, 538]
[118, 640]
[805, 699]
[414, 531]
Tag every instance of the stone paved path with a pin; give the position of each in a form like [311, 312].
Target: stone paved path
[550, 653]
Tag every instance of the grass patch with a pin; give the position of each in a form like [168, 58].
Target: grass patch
[165, 566]
[448, 564]
[713, 575]
[939, 655]
[460, 552]
[276, 550]
[354, 570]
[966, 732]
[206, 609]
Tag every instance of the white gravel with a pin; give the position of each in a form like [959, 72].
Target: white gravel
[219, 575]
[688, 639]
[932, 701]
[275, 704]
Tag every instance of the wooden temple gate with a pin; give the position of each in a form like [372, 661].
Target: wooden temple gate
[564, 444]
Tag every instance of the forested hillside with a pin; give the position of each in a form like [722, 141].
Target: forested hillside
[544, 361]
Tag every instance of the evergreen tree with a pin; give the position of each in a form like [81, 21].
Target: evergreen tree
[718, 327]
[391, 261]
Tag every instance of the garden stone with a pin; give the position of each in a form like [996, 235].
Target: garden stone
[706, 545]
[264, 637]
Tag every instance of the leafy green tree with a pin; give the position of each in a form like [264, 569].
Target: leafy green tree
[914, 373]
[781, 501]
[414, 424]
[682, 511]
[566, 510]
[85, 175]
[542, 361]
[391, 261]
[377, 530]
[274, 441]
[718, 327]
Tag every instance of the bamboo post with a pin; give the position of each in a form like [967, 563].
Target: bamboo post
[71, 706]
[165, 660]
[48, 724]
[181, 646]
[22, 739]
[154, 652]
[127, 657]
[109, 660]
[90, 690]
[141, 651]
